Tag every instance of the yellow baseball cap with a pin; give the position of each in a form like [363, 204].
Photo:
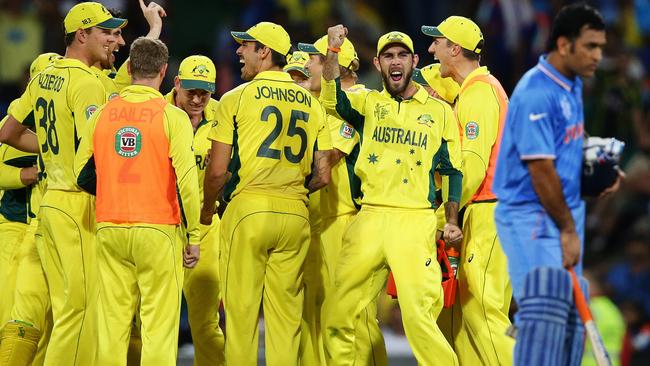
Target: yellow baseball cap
[269, 34]
[460, 30]
[394, 37]
[197, 72]
[346, 56]
[429, 75]
[90, 14]
[296, 62]
[41, 62]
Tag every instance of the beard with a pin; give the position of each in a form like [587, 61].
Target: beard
[396, 88]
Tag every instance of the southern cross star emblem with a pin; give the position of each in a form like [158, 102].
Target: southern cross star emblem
[373, 159]
[412, 151]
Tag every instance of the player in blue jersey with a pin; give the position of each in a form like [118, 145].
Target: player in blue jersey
[540, 214]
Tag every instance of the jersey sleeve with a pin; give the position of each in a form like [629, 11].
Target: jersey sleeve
[223, 127]
[449, 164]
[348, 106]
[84, 160]
[323, 139]
[122, 78]
[179, 132]
[531, 123]
[87, 95]
[21, 107]
[344, 136]
[481, 125]
[9, 175]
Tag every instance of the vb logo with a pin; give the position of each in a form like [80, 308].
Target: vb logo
[128, 142]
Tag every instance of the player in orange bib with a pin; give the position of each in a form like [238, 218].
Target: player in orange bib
[140, 147]
[480, 320]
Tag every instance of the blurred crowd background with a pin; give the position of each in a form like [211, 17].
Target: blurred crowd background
[617, 103]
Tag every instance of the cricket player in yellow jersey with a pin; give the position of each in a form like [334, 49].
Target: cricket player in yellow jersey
[139, 145]
[484, 289]
[19, 173]
[274, 130]
[116, 80]
[311, 343]
[62, 98]
[193, 87]
[25, 295]
[405, 135]
[337, 198]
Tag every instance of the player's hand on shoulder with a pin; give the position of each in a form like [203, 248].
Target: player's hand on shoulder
[336, 35]
[191, 255]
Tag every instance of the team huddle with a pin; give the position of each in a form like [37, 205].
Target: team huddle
[113, 197]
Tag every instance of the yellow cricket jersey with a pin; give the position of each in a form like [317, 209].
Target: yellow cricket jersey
[274, 126]
[477, 110]
[178, 130]
[338, 197]
[109, 84]
[402, 144]
[122, 78]
[15, 197]
[63, 97]
[201, 144]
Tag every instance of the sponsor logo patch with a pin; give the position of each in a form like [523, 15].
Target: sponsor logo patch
[471, 130]
[346, 131]
[128, 142]
[90, 110]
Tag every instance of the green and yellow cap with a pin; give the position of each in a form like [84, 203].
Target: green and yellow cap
[269, 34]
[296, 62]
[91, 14]
[197, 72]
[41, 62]
[346, 56]
[429, 75]
[460, 30]
[394, 37]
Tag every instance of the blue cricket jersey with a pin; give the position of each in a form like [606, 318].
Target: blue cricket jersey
[545, 120]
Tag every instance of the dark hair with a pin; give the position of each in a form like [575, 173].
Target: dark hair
[570, 20]
[277, 58]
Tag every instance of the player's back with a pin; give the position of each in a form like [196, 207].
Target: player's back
[275, 127]
[63, 96]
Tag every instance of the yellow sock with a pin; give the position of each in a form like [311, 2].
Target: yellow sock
[18, 343]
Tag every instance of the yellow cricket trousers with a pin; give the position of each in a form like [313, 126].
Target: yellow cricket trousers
[68, 256]
[368, 340]
[32, 297]
[264, 241]
[379, 239]
[480, 317]
[311, 342]
[202, 293]
[139, 261]
[11, 236]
